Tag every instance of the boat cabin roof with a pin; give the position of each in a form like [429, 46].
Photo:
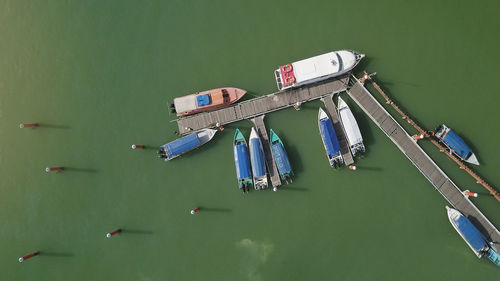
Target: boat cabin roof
[322, 65]
[456, 143]
[470, 233]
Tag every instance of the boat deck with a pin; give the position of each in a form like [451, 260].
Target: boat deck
[339, 130]
[264, 104]
[271, 165]
[423, 162]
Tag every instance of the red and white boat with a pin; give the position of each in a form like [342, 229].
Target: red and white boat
[206, 100]
[317, 68]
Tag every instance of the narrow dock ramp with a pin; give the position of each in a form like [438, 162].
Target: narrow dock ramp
[423, 162]
[339, 129]
[271, 165]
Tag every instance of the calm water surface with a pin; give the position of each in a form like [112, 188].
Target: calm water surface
[99, 74]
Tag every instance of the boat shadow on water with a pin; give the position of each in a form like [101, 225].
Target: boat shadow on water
[56, 254]
[479, 227]
[212, 209]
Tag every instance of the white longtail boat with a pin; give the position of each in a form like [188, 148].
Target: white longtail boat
[351, 128]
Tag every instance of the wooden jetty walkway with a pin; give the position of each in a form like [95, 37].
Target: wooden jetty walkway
[271, 165]
[423, 162]
[252, 108]
[441, 147]
[339, 129]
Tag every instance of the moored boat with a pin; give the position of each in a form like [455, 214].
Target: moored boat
[317, 68]
[206, 100]
[242, 162]
[280, 157]
[468, 232]
[456, 144]
[351, 128]
[258, 161]
[184, 144]
[329, 138]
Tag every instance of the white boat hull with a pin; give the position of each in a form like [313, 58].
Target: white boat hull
[351, 128]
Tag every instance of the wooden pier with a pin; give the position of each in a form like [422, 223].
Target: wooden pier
[423, 162]
[271, 165]
[339, 129]
[264, 104]
[441, 147]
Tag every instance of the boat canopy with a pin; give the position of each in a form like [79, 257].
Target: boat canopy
[323, 65]
[257, 156]
[184, 104]
[456, 143]
[241, 161]
[470, 233]
[329, 137]
[203, 100]
[281, 158]
[350, 126]
[181, 145]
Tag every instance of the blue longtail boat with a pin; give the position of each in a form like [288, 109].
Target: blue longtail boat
[258, 161]
[242, 162]
[329, 138]
[280, 157]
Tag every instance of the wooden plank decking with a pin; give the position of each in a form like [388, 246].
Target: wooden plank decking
[251, 108]
[423, 162]
[271, 165]
[339, 129]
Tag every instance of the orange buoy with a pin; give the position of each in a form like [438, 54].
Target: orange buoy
[287, 68]
[418, 137]
[364, 78]
[468, 193]
[352, 167]
[290, 79]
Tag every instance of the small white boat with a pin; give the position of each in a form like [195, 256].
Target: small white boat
[258, 161]
[351, 128]
[468, 232]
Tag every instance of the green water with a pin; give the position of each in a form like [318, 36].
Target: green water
[99, 74]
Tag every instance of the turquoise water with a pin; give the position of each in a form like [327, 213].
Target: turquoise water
[98, 76]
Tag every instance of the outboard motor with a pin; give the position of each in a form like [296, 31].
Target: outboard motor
[172, 105]
[173, 110]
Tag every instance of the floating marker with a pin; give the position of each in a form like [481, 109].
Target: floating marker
[418, 137]
[352, 167]
[109, 234]
[297, 105]
[138, 146]
[21, 259]
[195, 210]
[29, 125]
[364, 78]
[468, 193]
[54, 169]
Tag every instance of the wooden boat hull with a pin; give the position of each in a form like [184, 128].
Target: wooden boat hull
[207, 100]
